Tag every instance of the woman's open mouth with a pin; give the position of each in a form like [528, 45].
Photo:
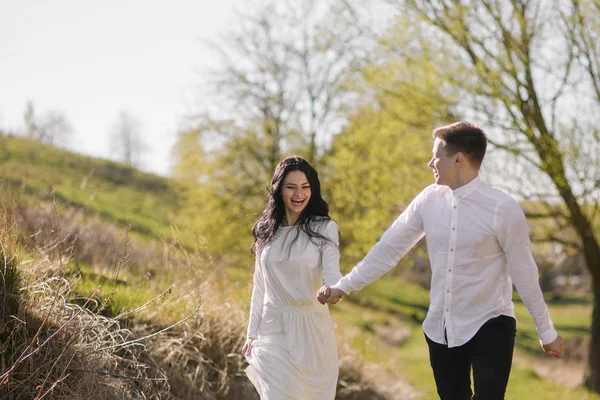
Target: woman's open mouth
[298, 203]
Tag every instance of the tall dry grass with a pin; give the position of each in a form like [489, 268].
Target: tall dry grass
[59, 230]
[53, 348]
[183, 344]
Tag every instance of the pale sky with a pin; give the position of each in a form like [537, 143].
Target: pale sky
[90, 59]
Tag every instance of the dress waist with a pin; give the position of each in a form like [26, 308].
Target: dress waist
[279, 309]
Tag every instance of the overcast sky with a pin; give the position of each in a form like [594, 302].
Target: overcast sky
[90, 59]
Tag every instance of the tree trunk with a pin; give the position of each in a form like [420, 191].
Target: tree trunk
[592, 373]
[591, 252]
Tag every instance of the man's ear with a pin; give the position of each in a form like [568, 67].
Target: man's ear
[460, 159]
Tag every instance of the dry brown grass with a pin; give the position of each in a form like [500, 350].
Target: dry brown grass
[52, 348]
[185, 344]
[59, 231]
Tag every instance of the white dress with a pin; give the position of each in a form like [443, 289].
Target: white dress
[294, 354]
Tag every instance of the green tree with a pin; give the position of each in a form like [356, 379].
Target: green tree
[378, 164]
[190, 168]
[278, 90]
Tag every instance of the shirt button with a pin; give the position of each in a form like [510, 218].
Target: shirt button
[454, 206]
[451, 249]
[447, 310]
[450, 270]
[453, 228]
[447, 291]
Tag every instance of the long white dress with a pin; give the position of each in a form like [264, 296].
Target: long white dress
[294, 354]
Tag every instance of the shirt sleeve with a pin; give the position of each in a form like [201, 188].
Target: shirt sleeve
[397, 240]
[331, 254]
[513, 236]
[256, 304]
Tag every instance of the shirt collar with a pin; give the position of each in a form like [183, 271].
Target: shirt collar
[467, 189]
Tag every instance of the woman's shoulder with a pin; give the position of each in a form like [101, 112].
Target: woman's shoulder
[322, 223]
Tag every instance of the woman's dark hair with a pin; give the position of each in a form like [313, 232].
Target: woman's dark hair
[272, 217]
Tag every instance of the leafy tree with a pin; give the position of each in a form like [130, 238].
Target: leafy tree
[190, 167]
[378, 164]
[279, 90]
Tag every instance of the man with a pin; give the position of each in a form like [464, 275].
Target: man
[477, 240]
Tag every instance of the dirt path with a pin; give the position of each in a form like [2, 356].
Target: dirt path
[568, 371]
[394, 386]
[565, 372]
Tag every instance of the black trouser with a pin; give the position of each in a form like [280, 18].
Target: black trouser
[490, 353]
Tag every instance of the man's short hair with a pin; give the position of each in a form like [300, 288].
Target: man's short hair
[463, 137]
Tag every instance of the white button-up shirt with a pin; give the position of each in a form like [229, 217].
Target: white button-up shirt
[477, 240]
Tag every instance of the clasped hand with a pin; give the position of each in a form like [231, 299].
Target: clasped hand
[328, 294]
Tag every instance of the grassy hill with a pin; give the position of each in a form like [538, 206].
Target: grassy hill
[147, 203]
[77, 211]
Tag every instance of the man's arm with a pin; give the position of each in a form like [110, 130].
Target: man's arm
[513, 236]
[397, 240]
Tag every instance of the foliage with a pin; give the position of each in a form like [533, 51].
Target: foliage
[379, 162]
[280, 91]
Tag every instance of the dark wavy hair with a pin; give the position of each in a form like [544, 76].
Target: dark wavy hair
[272, 217]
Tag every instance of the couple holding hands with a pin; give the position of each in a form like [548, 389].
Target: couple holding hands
[478, 245]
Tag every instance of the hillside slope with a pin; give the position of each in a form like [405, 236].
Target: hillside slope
[147, 203]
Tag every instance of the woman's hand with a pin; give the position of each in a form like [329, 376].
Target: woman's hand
[247, 349]
[328, 294]
[323, 294]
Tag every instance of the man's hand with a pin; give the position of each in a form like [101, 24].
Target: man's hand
[329, 295]
[555, 348]
[247, 349]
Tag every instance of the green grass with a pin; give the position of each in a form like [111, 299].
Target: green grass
[128, 292]
[526, 384]
[146, 203]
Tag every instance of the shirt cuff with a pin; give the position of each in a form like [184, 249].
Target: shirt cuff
[548, 337]
[343, 286]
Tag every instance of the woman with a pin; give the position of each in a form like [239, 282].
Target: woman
[291, 347]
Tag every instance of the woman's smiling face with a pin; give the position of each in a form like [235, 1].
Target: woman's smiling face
[295, 191]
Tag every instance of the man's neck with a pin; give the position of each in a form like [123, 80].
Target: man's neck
[464, 178]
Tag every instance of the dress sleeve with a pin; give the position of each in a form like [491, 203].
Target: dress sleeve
[256, 304]
[331, 254]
